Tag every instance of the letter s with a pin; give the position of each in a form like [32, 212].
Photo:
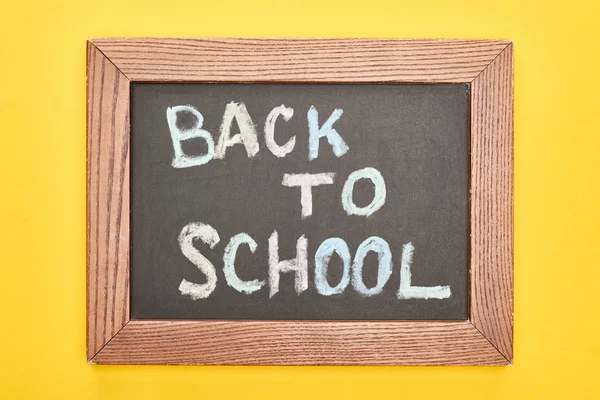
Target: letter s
[206, 233]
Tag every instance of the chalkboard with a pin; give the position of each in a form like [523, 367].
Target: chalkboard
[299, 201]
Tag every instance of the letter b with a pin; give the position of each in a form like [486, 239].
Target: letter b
[185, 123]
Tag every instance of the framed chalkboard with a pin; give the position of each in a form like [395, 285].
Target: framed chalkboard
[299, 201]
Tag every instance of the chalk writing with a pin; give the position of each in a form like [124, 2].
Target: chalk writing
[186, 122]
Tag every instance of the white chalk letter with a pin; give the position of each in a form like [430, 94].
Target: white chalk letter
[327, 130]
[206, 233]
[185, 122]
[277, 150]
[322, 258]
[306, 182]
[229, 264]
[384, 269]
[299, 265]
[247, 135]
[406, 291]
[378, 198]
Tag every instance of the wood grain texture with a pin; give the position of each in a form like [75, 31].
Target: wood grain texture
[300, 60]
[107, 200]
[112, 338]
[492, 203]
[300, 343]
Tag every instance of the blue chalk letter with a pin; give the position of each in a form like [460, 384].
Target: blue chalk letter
[335, 140]
[379, 246]
[229, 264]
[322, 257]
[407, 291]
[378, 198]
[185, 122]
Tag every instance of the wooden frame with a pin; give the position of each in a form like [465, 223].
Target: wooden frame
[485, 339]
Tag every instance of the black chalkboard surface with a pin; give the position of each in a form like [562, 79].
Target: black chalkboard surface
[355, 203]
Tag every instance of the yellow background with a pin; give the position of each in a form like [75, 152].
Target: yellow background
[557, 196]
